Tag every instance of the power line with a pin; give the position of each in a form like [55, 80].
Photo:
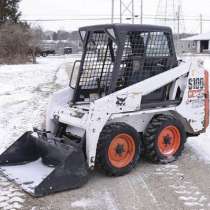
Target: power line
[148, 19]
[153, 17]
[65, 19]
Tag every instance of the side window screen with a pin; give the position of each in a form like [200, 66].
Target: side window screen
[135, 44]
[98, 62]
[157, 45]
[133, 59]
[145, 54]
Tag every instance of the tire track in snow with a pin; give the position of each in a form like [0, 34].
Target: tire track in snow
[188, 193]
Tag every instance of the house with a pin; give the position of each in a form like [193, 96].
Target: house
[196, 44]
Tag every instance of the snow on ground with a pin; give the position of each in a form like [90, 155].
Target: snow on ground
[99, 200]
[24, 94]
[201, 145]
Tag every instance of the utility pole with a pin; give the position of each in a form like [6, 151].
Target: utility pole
[178, 21]
[120, 11]
[201, 23]
[141, 15]
[132, 13]
[112, 18]
[166, 8]
[174, 15]
[169, 13]
[127, 10]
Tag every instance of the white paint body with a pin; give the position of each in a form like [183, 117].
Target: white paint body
[90, 119]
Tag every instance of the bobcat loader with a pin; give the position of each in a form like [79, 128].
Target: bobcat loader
[130, 96]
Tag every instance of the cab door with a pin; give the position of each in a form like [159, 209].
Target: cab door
[158, 58]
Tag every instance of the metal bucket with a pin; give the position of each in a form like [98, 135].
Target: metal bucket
[42, 166]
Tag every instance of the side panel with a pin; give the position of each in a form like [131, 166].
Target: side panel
[58, 99]
[192, 107]
[139, 121]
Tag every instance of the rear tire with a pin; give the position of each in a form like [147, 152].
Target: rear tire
[164, 139]
[118, 149]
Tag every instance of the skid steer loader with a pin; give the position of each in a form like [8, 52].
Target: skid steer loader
[130, 96]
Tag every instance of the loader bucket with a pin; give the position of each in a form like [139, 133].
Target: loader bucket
[41, 167]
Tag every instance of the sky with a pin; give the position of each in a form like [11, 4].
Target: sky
[84, 12]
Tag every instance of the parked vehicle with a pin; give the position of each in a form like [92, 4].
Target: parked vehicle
[45, 53]
[67, 50]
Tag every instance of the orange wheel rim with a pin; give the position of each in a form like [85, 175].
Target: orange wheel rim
[169, 140]
[121, 150]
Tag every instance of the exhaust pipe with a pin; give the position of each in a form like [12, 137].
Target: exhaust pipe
[42, 166]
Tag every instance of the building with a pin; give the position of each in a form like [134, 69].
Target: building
[60, 45]
[57, 45]
[196, 44]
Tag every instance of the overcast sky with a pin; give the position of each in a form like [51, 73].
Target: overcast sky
[91, 9]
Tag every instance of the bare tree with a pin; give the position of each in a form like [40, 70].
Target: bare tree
[18, 42]
[35, 42]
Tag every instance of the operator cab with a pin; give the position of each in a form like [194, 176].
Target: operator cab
[116, 56]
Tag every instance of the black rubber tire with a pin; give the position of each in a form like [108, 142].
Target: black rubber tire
[105, 139]
[150, 138]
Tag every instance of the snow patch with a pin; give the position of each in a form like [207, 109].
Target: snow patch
[34, 173]
[99, 200]
[189, 198]
[189, 194]
[83, 203]
[193, 204]
[110, 202]
[62, 77]
[201, 145]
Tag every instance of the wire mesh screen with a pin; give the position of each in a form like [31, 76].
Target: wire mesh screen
[157, 45]
[145, 54]
[98, 63]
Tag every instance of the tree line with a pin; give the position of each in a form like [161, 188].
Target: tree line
[18, 41]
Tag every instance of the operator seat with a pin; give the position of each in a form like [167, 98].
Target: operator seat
[137, 58]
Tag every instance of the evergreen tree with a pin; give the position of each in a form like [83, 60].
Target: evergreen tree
[9, 11]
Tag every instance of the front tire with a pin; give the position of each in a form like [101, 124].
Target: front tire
[164, 139]
[118, 149]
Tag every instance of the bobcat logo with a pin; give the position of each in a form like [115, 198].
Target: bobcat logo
[121, 101]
